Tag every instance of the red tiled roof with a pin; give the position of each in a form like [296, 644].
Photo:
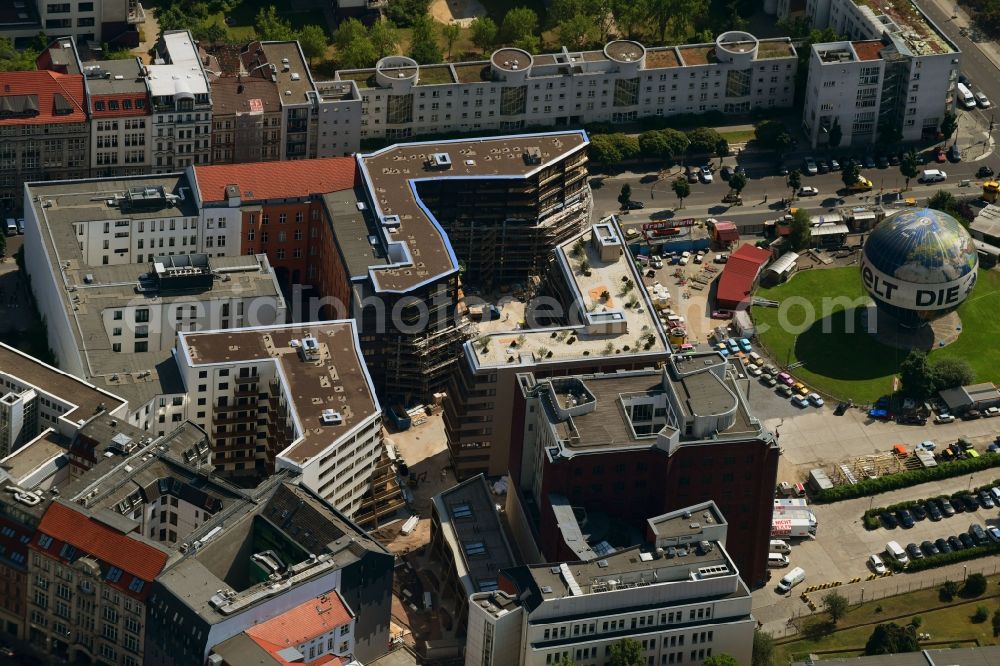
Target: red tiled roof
[727, 232]
[737, 279]
[868, 50]
[304, 622]
[277, 180]
[86, 534]
[46, 86]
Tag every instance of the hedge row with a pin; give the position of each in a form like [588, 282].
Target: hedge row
[873, 514]
[908, 478]
[941, 560]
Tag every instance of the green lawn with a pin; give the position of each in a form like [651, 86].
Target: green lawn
[841, 359]
[944, 621]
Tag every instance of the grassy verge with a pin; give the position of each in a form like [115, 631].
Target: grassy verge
[824, 332]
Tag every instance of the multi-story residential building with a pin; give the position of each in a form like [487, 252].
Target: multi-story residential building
[104, 21]
[627, 444]
[677, 593]
[587, 332]
[469, 542]
[320, 631]
[182, 104]
[259, 560]
[35, 397]
[91, 576]
[621, 83]
[121, 121]
[895, 75]
[118, 266]
[20, 514]
[44, 133]
[338, 119]
[292, 397]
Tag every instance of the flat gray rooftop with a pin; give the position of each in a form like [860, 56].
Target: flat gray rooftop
[123, 77]
[354, 230]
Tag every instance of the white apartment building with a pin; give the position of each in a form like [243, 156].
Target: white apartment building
[898, 70]
[86, 20]
[35, 398]
[338, 118]
[679, 595]
[182, 104]
[621, 83]
[287, 397]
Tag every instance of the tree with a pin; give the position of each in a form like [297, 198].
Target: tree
[664, 144]
[271, 27]
[214, 33]
[519, 23]
[943, 201]
[424, 46]
[703, 140]
[682, 189]
[625, 195]
[384, 37]
[850, 174]
[949, 124]
[405, 13]
[358, 54]
[773, 135]
[613, 148]
[737, 182]
[891, 638]
[348, 31]
[835, 137]
[763, 649]
[627, 652]
[996, 623]
[484, 32]
[679, 13]
[951, 372]
[721, 149]
[916, 375]
[975, 585]
[15, 60]
[722, 659]
[794, 181]
[312, 39]
[835, 605]
[908, 166]
[451, 33]
[801, 230]
[576, 32]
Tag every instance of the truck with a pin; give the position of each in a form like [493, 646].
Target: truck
[793, 524]
[784, 504]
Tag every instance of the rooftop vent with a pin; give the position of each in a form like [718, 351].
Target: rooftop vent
[309, 349]
[331, 417]
[440, 161]
[295, 76]
[532, 155]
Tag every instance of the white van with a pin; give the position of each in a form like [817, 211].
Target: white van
[791, 579]
[932, 176]
[777, 560]
[964, 96]
[11, 226]
[779, 546]
[896, 552]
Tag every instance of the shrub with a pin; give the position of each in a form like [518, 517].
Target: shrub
[916, 621]
[952, 557]
[909, 478]
[982, 612]
[949, 590]
[975, 584]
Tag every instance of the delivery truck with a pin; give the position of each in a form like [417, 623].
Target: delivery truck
[793, 524]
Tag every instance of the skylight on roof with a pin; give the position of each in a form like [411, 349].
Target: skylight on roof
[45, 541]
[114, 575]
[461, 511]
[474, 548]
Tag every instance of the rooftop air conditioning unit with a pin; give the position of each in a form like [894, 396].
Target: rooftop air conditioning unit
[331, 417]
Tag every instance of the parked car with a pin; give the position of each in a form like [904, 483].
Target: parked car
[978, 533]
[984, 172]
[888, 520]
[786, 378]
[876, 564]
[955, 543]
[970, 503]
[815, 399]
[913, 550]
[869, 162]
[944, 418]
[946, 508]
[784, 391]
[809, 167]
[967, 540]
[720, 258]
[993, 533]
[985, 499]
[808, 191]
[768, 380]
[799, 401]
[940, 156]
[834, 165]
[919, 511]
[882, 162]
[933, 511]
[841, 408]
[954, 154]
[930, 550]
[932, 176]
[771, 370]
[972, 415]
[726, 172]
[635, 205]
[823, 166]
[745, 344]
[982, 101]
[741, 170]
[692, 174]
[705, 174]
[943, 546]
[905, 518]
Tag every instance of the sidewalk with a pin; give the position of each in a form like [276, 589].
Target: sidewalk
[961, 19]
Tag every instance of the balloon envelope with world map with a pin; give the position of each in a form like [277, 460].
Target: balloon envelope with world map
[919, 265]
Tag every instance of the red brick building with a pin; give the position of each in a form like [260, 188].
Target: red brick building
[600, 454]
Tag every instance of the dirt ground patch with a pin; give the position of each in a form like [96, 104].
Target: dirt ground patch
[457, 11]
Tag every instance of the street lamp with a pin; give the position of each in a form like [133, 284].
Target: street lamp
[965, 571]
